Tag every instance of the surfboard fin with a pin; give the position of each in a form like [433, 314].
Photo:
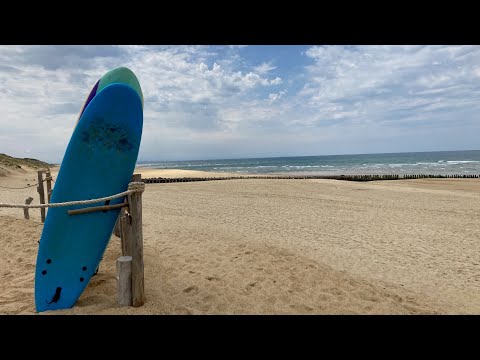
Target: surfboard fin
[56, 296]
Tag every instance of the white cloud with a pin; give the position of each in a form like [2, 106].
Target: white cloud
[181, 90]
[273, 97]
[382, 81]
[264, 68]
[200, 100]
[171, 76]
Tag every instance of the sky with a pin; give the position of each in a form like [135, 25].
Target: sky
[238, 101]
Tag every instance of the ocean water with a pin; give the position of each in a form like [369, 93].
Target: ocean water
[431, 163]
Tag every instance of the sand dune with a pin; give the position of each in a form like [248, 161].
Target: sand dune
[257, 246]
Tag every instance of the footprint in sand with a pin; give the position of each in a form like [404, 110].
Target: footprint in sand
[210, 278]
[191, 289]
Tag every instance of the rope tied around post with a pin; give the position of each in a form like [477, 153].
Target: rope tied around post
[21, 188]
[133, 187]
[136, 186]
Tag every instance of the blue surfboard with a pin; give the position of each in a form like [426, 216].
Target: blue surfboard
[99, 161]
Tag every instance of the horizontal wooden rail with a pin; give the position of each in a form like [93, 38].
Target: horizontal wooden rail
[96, 208]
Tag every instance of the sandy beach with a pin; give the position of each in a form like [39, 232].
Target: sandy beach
[258, 246]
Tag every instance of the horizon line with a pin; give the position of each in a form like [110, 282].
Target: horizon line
[290, 156]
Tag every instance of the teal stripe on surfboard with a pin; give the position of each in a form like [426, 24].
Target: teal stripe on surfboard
[120, 75]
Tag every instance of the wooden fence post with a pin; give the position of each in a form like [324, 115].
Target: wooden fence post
[126, 239]
[118, 226]
[42, 194]
[135, 209]
[48, 178]
[28, 201]
[124, 277]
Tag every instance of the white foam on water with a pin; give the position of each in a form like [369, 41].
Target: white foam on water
[456, 162]
[301, 166]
